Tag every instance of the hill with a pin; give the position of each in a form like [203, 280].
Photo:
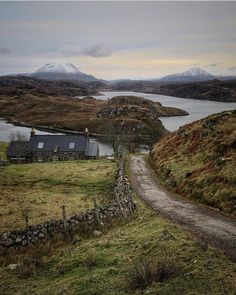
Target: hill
[193, 74]
[57, 71]
[199, 161]
[139, 115]
[20, 86]
[215, 90]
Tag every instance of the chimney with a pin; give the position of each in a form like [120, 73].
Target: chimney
[86, 132]
[32, 133]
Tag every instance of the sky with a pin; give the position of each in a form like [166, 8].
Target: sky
[114, 40]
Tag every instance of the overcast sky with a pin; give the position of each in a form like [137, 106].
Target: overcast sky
[113, 40]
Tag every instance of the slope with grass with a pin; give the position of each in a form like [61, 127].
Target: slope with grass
[141, 255]
[42, 189]
[199, 161]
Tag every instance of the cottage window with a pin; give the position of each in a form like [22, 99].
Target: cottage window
[72, 145]
[55, 159]
[40, 145]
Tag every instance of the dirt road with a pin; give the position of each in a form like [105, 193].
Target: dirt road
[218, 230]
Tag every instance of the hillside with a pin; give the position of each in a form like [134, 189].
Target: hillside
[199, 161]
[19, 86]
[214, 90]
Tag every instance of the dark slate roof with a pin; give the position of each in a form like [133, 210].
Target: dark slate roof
[17, 148]
[62, 141]
[92, 149]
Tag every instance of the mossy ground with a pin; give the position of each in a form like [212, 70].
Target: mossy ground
[101, 265]
[42, 189]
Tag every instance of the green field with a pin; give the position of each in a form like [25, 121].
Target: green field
[43, 188]
[3, 147]
[102, 265]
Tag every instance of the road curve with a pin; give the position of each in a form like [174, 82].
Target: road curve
[217, 229]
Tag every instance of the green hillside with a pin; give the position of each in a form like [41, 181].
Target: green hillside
[199, 161]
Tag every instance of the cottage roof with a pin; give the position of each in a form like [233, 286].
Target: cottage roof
[17, 149]
[61, 142]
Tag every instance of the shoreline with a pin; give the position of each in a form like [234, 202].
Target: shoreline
[47, 128]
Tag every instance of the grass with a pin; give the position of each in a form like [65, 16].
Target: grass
[144, 254]
[199, 161]
[104, 264]
[42, 189]
[3, 148]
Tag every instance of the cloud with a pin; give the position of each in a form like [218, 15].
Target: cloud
[5, 50]
[98, 50]
[232, 68]
[213, 65]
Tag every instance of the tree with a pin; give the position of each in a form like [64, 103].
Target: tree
[20, 141]
[120, 134]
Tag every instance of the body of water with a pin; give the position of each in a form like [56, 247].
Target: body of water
[197, 109]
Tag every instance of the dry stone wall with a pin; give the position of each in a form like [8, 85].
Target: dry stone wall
[121, 206]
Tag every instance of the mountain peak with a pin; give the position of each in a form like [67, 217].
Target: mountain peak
[196, 71]
[192, 74]
[62, 71]
[66, 68]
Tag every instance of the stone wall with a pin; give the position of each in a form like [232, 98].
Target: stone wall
[121, 206]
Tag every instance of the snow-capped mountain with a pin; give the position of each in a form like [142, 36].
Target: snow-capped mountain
[58, 68]
[59, 71]
[193, 74]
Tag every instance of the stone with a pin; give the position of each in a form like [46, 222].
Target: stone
[41, 236]
[97, 233]
[18, 240]
[12, 266]
[76, 239]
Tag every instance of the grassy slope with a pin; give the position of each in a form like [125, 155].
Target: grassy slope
[114, 254]
[43, 188]
[199, 161]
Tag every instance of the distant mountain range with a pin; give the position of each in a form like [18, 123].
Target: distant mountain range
[69, 72]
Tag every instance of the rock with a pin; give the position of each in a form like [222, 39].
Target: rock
[18, 240]
[12, 266]
[76, 239]
[97, 233]
[41, 236]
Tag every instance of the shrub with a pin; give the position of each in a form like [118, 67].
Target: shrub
[34, 259]
[147, 272]
[91, 260]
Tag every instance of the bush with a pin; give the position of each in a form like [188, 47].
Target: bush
[34, 260]
[147, 272]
